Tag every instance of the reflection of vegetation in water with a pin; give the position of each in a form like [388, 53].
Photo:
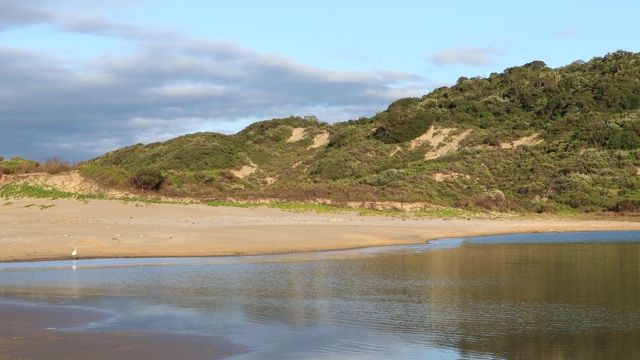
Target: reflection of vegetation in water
[544, 300]
[533, 301]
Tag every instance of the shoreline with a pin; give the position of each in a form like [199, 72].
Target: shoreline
[45, 230]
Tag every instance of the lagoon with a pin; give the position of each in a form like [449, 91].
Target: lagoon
[526, 296]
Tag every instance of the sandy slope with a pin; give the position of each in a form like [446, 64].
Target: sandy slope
[71, 181]
[48, 229]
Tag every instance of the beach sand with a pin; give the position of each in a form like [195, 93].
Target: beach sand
[40, 229]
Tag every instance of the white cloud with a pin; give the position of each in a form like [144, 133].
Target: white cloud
[467, 56]
[189, 90]
[152, 130]
[165, 85]
[21, 13]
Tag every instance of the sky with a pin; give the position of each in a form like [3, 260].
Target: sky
[79, 78]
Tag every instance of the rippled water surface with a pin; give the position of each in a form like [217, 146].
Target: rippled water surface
[561, 296]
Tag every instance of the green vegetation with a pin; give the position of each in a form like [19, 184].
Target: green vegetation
[110, 177]
[404, 120]
[147, 178]
[18, 165]
[24, 190]
[296, 207]
[443, 213]
[531, 139]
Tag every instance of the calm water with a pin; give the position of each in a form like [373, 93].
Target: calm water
[538, 296]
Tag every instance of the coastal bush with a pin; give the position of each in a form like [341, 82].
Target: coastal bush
[261, 127]
[627, 206]
[107, 176]
[56, 165]
[404, 120]
[384, 177]
[19, 165]
[199, 151]
[147, 179]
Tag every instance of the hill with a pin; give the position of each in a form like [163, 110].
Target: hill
[531, 138]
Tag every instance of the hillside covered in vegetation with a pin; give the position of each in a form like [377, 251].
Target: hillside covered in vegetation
[531, 138]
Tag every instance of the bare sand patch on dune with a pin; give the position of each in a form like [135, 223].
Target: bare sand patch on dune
[440, 177]
[527, 140]
[245, 170]
[451, 144]
[434, 137]
[297, 135]
[441, 140]
[320, 140]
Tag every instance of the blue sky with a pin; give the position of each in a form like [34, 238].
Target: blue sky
[80, 78]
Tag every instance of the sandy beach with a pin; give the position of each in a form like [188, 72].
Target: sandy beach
[32, 230]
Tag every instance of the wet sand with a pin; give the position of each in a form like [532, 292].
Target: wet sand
[33, 230]
[42, 332]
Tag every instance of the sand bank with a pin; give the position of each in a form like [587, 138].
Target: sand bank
[50, 229]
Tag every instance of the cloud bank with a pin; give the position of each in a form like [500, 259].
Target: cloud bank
[165, 85]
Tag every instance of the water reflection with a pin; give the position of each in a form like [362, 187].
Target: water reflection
[487, 297]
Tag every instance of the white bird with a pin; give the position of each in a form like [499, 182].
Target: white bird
[74, 252]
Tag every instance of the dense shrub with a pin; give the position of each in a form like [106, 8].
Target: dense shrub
[18, 165]
[262, 127]
[404, 120]
[627, 206]
[384, 177]
[107, 176]
[56, 165]
[147, 179]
